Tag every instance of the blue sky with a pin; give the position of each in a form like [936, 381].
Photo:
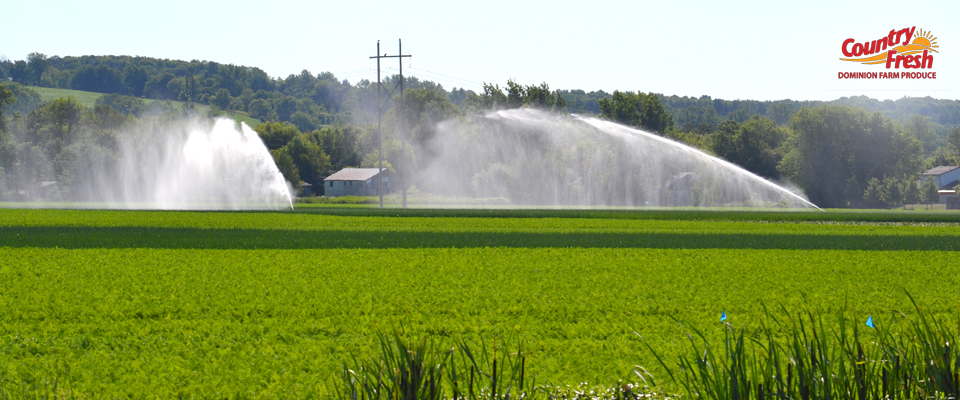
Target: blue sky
[729, 49]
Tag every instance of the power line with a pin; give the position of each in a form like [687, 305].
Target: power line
[448, 76]
[452, 84]
[380, 105]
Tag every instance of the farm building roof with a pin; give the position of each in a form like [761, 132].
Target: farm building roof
[936, 171]
[353, 174]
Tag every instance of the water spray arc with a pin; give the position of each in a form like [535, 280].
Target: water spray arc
[529, 157]
[185, 165]
[695, 152]
[380, 104]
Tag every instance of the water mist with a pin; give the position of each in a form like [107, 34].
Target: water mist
[537, 158]
[184, 165]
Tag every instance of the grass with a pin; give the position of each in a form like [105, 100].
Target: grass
[800, 356]
[89, 99]
[424, 369]
[275, 304]
[793, 356]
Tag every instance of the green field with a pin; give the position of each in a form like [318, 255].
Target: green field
[89, 99]
[271, 304]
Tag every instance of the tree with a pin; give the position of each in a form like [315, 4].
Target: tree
[911, 192]
[739, 115]
[286, 166]
[65, 115]
[135, 78]
[101, 78]
[304, 121]
[8, 156]
[124, 104]
[919, 127]
[19, 72]
[156, 87]
[622, 107]
[259, 108]
[953, 140]
[892, 193]
[221, 99]
[276, 135]
[286, 107]
[311, 163]
[752, 145]
[515, 94]
[559, 104]
[493, 97]
[726, 141]
[25, 99]
[539, 96]
[340, 143]
[875, 192]
[636, 109]
[104, 118]
[930, 192]
[779, 112]
[54, 126]
[834, 151]
[6, 98]
[36, 64]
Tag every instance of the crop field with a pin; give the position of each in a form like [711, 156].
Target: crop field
[272, 304]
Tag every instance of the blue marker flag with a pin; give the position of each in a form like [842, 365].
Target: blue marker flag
[870, 321]
[723, 316]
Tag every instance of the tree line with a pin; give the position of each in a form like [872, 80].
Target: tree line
[839, 155]
[851, 152]
[311, 101]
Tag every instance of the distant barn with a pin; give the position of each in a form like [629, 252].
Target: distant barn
[947, 179]
[355, 182]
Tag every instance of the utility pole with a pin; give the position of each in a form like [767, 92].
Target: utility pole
[380, 104]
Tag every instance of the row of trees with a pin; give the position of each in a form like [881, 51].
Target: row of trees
[691, 112]
[315, 124]
[58, 142]
[840, 156]
[833, 153]
[323, 99]
[893, 192]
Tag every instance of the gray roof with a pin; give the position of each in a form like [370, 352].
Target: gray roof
[937, 171]
[353, 174]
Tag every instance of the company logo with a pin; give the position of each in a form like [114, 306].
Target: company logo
[908, 48]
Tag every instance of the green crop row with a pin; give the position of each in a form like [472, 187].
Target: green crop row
[312, 221]
[525, 220]
[226, 230]
[171, 238]
[281, 323]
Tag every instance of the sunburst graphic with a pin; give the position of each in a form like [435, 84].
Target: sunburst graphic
[924, 40]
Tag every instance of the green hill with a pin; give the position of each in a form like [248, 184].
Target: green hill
[89, 99]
